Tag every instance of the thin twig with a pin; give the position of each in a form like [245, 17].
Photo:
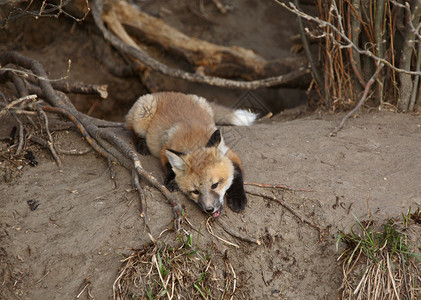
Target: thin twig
[235, 280]
[361, 102]
[415, 86]
[236, 234]
[21, 135]
[44, 143]
[309, 56]
[290, 209]
[210, 230]
[276, 186]
[75, 87]
[348, 43]
[141, 194]
[50, 142]
[16, 102]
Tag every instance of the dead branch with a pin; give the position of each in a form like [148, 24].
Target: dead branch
[371, 27]
[221, 7]
[134, 51]
[76, 87]
[309, 56]
[236, 234]
[16, 102]
[355, 33]
[415, 86]
[347, 42]
[275, 186]
[361, 102]
[44, 143]
[290, 209]
[20, 126]
[21, 135]
[49, 9]
[50, 142]
[406, 58]
[104, 141]
[212, 59]
[141, 194]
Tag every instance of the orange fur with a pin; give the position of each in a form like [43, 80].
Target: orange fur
[178, 128]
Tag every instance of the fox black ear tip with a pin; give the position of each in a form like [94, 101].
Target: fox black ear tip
[178, 153]
[215, 138]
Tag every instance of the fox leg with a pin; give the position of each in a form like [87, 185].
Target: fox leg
[236, 196]
[169, 180]
[141, 145]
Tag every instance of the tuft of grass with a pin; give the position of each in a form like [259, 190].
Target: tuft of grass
[174, 269]
[380, 262]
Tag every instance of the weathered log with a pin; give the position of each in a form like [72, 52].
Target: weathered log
[208, 58]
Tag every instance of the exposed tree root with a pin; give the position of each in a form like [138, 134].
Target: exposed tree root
[275, 186]
[76, 87]
[129, 47]
[212, 59]
[236, 234]
[103, 140]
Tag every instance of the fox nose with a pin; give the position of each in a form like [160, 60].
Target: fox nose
[209, 210]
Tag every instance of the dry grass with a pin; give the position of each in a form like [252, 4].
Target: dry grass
[176, 269]
[382, 263]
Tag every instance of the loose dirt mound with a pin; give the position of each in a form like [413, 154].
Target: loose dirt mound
[84, 224]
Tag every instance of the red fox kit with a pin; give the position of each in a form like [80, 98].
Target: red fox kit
[180, 129]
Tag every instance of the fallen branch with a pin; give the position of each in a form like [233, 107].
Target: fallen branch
[210, 230]
[236, 234]
[44, 143]
[275, 186]
[16, 102]
[76, 87]
[20, 125]
[50, 142]
[97, 12]
[47, 9]
[347, 43]
[141, 194]
[212, 59]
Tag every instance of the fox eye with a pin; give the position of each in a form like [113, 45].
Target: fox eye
[214, 186]
[196, 192]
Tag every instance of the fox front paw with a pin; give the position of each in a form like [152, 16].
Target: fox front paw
[141, 146]
[171, 185]
[236, 196]
[169, 180]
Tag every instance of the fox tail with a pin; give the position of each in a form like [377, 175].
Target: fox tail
[228, 116]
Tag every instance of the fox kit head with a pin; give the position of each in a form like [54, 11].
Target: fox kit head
[205, 174]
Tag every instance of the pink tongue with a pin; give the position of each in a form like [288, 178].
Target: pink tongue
[217, 214]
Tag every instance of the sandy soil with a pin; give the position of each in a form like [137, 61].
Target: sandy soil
[85, 222]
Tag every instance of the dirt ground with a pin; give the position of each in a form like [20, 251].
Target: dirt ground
[85, 223]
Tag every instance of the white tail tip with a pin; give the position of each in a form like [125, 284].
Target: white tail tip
[243, 117]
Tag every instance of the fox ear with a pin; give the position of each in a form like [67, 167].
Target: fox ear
[175, 159]
[217, 140]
